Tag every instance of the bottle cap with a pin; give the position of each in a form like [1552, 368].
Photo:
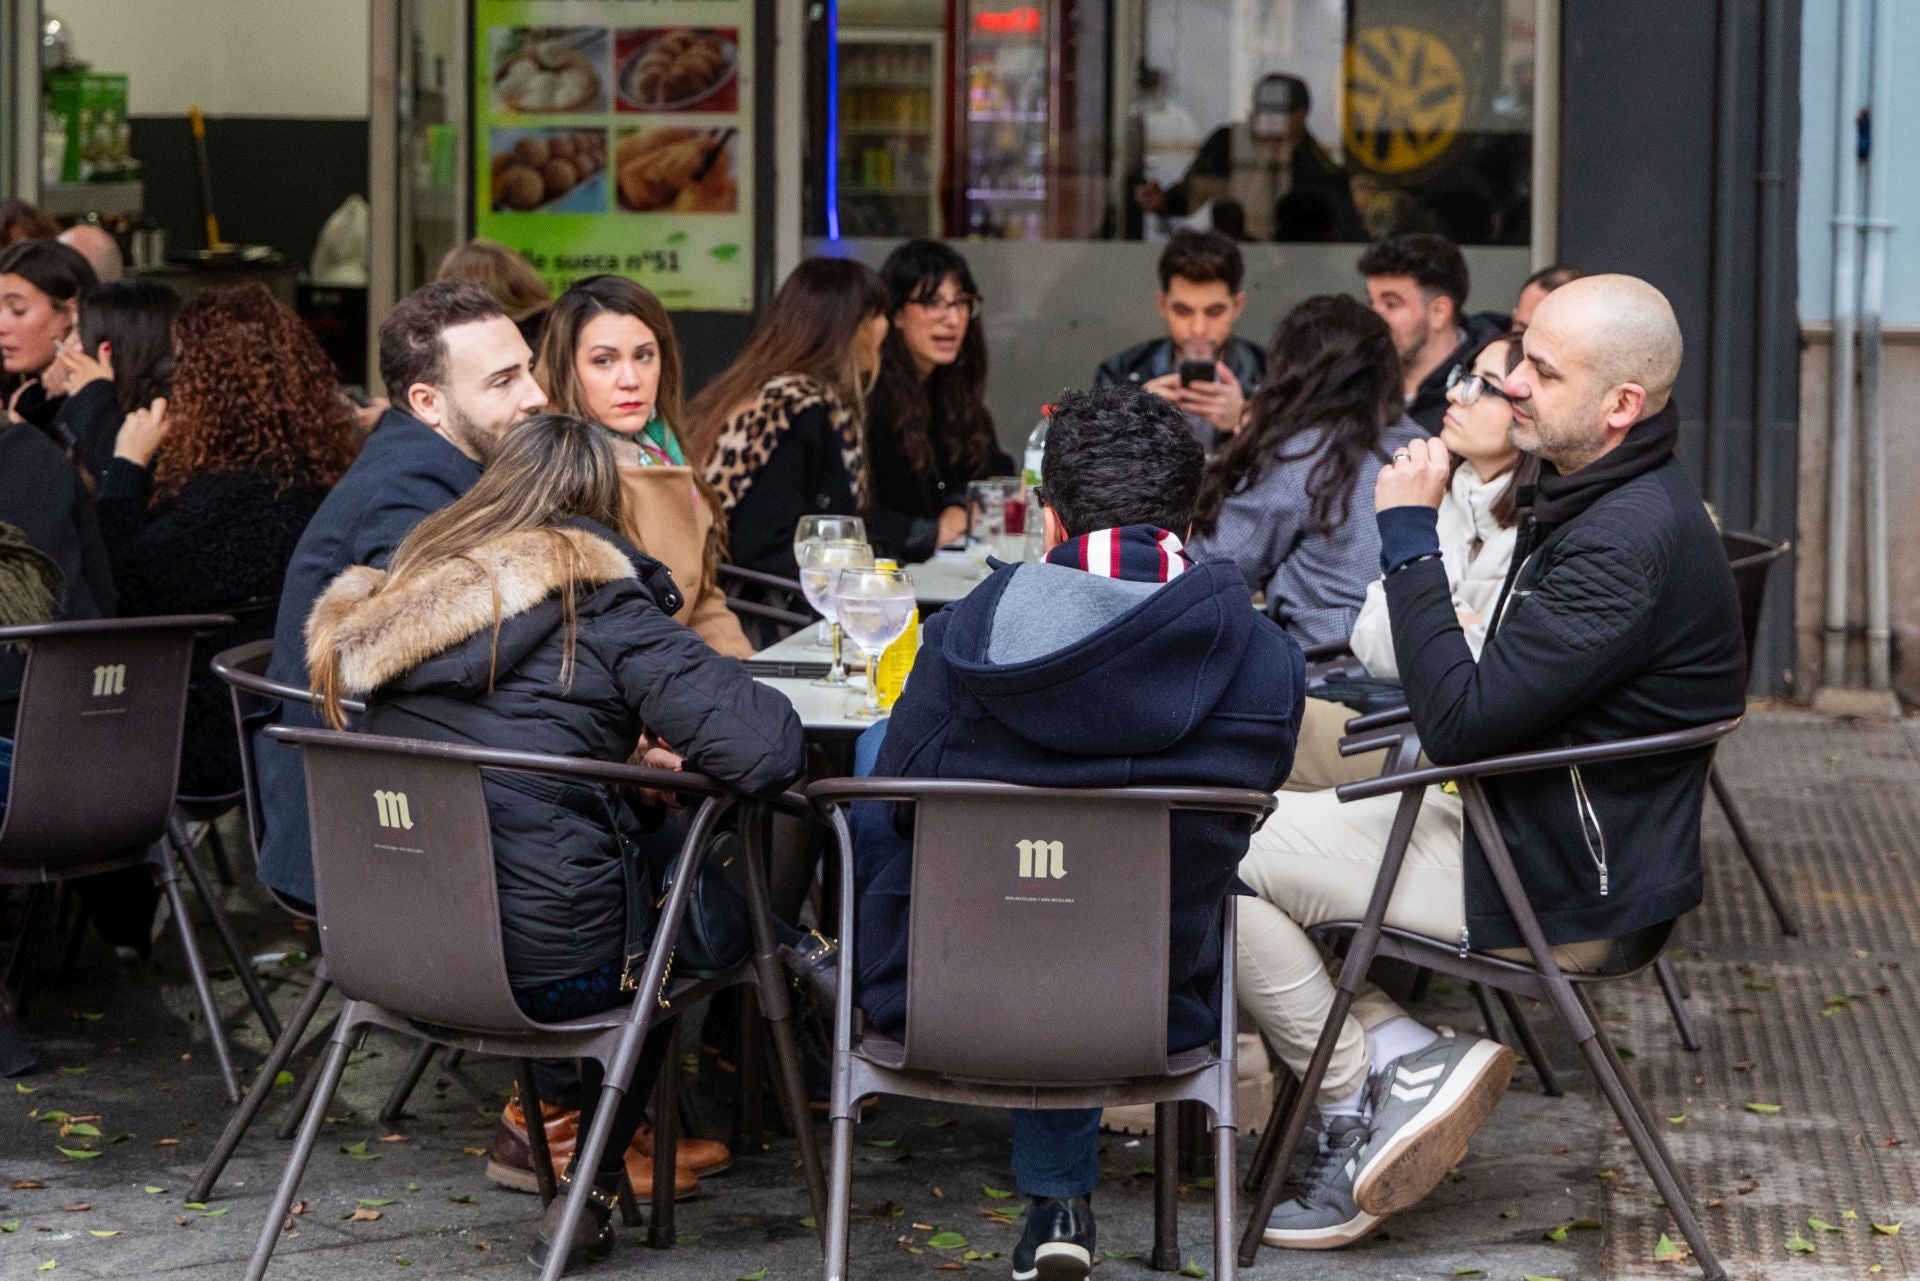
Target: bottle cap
[886, 564]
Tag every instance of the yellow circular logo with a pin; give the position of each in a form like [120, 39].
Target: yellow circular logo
[1406, 99]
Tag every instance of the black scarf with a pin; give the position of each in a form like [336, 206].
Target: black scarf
[1557, 499]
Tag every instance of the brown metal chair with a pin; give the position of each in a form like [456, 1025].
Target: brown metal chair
[1542, 980]
[992, 906]
[410, 913]
[777, 605]
[1751, 557]
[111, 693]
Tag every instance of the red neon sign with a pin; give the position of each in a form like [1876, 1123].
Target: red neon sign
[1009, 22]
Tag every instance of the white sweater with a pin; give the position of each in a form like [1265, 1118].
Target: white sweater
[1476, 552]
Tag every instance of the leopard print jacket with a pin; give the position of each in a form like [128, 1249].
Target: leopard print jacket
[750, 437]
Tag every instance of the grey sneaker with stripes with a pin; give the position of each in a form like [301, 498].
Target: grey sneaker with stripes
[1425, 1107]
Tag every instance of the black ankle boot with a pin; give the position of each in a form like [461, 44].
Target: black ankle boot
[592, 1239]
[1058, 1242]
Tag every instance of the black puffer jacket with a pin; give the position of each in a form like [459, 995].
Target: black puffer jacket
[1620, 620]
[423, 652]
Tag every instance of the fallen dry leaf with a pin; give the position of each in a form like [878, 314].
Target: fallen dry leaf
[80, 1207]
[24, 1185]
[363, 1214]
[393, 1138]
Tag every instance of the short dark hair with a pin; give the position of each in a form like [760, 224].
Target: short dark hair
[1434, 262]
[1120, 456]
[56, 270]
[1201, 256]
[412, 349]
[1551, 278]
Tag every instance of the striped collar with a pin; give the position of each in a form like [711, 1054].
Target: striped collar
[1137, 553]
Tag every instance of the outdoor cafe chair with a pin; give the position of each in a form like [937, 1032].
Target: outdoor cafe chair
[1540, 977]
[95, 767]
[409, 914]
[1010, 883]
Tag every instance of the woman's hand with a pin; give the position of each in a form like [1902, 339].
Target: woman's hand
[952, 526]
[78, 369]
[141, 433]
[656, 756]
[13, 401]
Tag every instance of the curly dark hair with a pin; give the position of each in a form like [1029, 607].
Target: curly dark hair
[1331, 369]
[951, 411]
[252, 390]
[1435, 263]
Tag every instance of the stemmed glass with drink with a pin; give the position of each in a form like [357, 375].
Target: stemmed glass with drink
[875, 608]
[815, 528]
[990, 503]
[822, 565]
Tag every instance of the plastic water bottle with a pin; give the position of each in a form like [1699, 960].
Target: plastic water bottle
[1036, 453]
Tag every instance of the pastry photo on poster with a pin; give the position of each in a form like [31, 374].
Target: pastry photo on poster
[616, 136]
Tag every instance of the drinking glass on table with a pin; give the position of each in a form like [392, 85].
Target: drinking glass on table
[875, 607]
[987, 517]
[818, 528]
[821, 566]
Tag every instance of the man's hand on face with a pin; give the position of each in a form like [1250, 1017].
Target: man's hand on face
[1221, 402]
[1417, 477]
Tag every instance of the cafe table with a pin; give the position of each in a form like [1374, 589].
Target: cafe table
[792, 665]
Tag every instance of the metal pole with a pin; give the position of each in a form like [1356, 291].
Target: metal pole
[1873, 290]
[1720, 454]
[1776, 40]
[1846, 271]
[1545, 229]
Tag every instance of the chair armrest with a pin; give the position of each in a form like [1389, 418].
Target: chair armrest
[1379, 719]
[1550, 758]
[826, 794]
[759, 579]
[1327, 649]
[201, 623]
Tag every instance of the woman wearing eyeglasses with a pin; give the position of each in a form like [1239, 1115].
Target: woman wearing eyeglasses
[928, 429]
[1480, 513]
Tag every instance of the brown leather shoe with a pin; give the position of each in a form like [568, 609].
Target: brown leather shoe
[702, 1156]
[510, 1159]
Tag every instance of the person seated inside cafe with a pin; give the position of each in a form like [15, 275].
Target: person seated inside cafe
[1117, 661]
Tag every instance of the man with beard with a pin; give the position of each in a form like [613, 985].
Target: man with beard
[1200, 301]
[1417, 283]
[459, 375]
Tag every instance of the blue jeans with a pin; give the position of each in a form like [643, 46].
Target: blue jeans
[1056, 1153]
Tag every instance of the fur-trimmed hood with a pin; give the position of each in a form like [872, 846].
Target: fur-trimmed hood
[378, 638]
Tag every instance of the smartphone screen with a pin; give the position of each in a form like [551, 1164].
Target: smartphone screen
[1196, 371]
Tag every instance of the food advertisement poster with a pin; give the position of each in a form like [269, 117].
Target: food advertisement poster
[616, 136]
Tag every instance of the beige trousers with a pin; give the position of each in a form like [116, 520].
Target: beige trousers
[1316, 860]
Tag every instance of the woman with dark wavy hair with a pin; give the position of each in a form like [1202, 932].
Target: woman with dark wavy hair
[1289, 499]
[209, 490]
[928, 429]
[123, 361]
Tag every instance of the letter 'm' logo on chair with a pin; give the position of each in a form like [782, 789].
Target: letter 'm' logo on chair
[393, 809]
[1041, 859]
[108, 679]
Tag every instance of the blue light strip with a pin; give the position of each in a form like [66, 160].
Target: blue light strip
[832, 162]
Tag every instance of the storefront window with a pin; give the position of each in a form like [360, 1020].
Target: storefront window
[1274, 120]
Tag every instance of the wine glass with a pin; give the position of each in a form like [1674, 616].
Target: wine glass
[875, 608]
[816, 528]
[987, 519]
[821, 565]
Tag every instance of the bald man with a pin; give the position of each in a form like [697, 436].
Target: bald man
[97, 245]
[1618, 619]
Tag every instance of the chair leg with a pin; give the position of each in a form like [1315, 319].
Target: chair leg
[586, 1160]
[1751, 852]
[454, 1059]
[256, 1098]
[242, 969]
[1166, 1187]
[16, 1056]
[197, 968]
[1677, 1003]
[1630, 1110]
[332, 1068]
[666, 1147]
[750, 1122]
[840, 1199]
[1612, 1055]
[1487, 1017]
[1284, 1092]
[26, 947]
[76, 937]
[1224, 1266]
[396, 1105]
[1274, 1176]
[530, 1107]
[303, 1094]
[222, 868]
[1530, 1042]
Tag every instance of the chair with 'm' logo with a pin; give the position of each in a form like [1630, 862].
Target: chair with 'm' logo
[1016, 889]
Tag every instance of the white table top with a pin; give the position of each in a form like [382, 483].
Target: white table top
[946, 578]
[823, 711]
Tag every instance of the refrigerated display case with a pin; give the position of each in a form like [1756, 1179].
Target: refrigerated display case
[892, 106]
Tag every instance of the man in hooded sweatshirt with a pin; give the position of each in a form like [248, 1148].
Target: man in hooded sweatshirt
[1118, 661]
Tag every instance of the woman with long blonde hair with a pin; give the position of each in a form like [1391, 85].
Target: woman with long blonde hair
[517, 617]
[609, 356]
[781, 431]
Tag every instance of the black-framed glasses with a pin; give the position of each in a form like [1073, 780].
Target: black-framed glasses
[1471, 386]
[967, 305]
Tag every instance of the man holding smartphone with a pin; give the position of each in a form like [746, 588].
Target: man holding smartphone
[1200, 366]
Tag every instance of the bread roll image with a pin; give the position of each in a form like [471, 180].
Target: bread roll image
[561, 148]
[524, 188]
[560, 176]
[532, 151]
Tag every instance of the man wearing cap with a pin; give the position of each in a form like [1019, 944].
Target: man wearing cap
[1284, 182]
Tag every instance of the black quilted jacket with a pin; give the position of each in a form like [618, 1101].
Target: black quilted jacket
[1620, 620]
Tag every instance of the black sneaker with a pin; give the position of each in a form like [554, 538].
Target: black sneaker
[1058, 1242]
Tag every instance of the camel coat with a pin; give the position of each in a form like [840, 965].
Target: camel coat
[667, 519]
